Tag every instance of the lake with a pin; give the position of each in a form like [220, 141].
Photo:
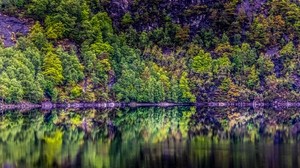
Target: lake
[151, 137]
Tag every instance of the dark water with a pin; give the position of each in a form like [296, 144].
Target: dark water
[151, 137]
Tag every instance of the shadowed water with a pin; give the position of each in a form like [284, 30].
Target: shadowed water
[151, 137]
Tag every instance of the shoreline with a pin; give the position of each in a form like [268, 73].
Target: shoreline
[82, 105]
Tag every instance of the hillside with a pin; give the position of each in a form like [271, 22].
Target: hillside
[151, 51]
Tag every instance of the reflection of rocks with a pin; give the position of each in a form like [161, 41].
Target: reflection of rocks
[295, 130]
[112, 129]
[278, 137]
[8, 165]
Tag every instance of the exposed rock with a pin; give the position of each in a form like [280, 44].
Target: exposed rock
[11, 28]
[151, 13]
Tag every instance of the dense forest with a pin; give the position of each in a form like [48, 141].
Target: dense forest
[152, 51]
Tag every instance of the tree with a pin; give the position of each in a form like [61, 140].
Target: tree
[126, 19]
[182, 34]
[54, 30]
[128, 86]
[186, 94]
[221, 66]
[202, 63]
[15, 91]
[174, 91]
[52, 68]
[72, 69]
[225, 85]
[40, 8]
[259, 31]
[38, 37]
[265, 66]
[34, 56]
[101, 23]
[288, 50]
[34, 93]
[144, 39]
[253, 78]
[4, 86]
[99, 47]
[242, 58]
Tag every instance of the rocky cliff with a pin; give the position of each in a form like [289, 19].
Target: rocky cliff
[149, 14]
[10, 28]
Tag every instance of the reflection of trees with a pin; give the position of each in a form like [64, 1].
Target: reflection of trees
[50, 140]
[246, 124]
[17, 138]
[154, 124]
[96, 154]
[145, 137]
[244, 137]
[150, 136]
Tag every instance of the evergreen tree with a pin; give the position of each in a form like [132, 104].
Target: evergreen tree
[52, 68]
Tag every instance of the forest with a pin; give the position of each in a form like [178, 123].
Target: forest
[152, 51]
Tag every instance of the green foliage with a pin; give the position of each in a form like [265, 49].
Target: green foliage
[253, 78]
[221, 66]
[18, 77]
[77, 51]
[54, 30]
[202, 63]
[288, 50]
[225, 85]
[243, 57]
[127, 20]
[72, 69]
[38, 37]
[76, 92]
[265, 66]
[187, 95]
[182, 34]
[52, 69]
[128, 86]
[259, 31]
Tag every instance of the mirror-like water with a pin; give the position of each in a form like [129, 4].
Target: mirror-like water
[151, 137]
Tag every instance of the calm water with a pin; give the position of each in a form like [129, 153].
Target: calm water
[151, 137]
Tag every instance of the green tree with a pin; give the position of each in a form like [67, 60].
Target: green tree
[259, 31]
[265, 65]
[242, 58]
[52, 68]
[128, 86]
[202, 63]
[253, 78]
[187, 95]
[72, 69]
[54, 30]
[38, 37]
[221, 66]
[288, 50]
[174, 91]
[126, 19]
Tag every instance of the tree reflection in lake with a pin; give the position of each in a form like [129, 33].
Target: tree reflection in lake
[151, 137]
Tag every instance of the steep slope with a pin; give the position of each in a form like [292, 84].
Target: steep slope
[10, 28]
[149, 14]
[154, 51]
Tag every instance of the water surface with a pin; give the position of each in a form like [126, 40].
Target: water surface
[151, 137]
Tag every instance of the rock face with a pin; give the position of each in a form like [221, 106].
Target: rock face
[10, 28]
[149, 14]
